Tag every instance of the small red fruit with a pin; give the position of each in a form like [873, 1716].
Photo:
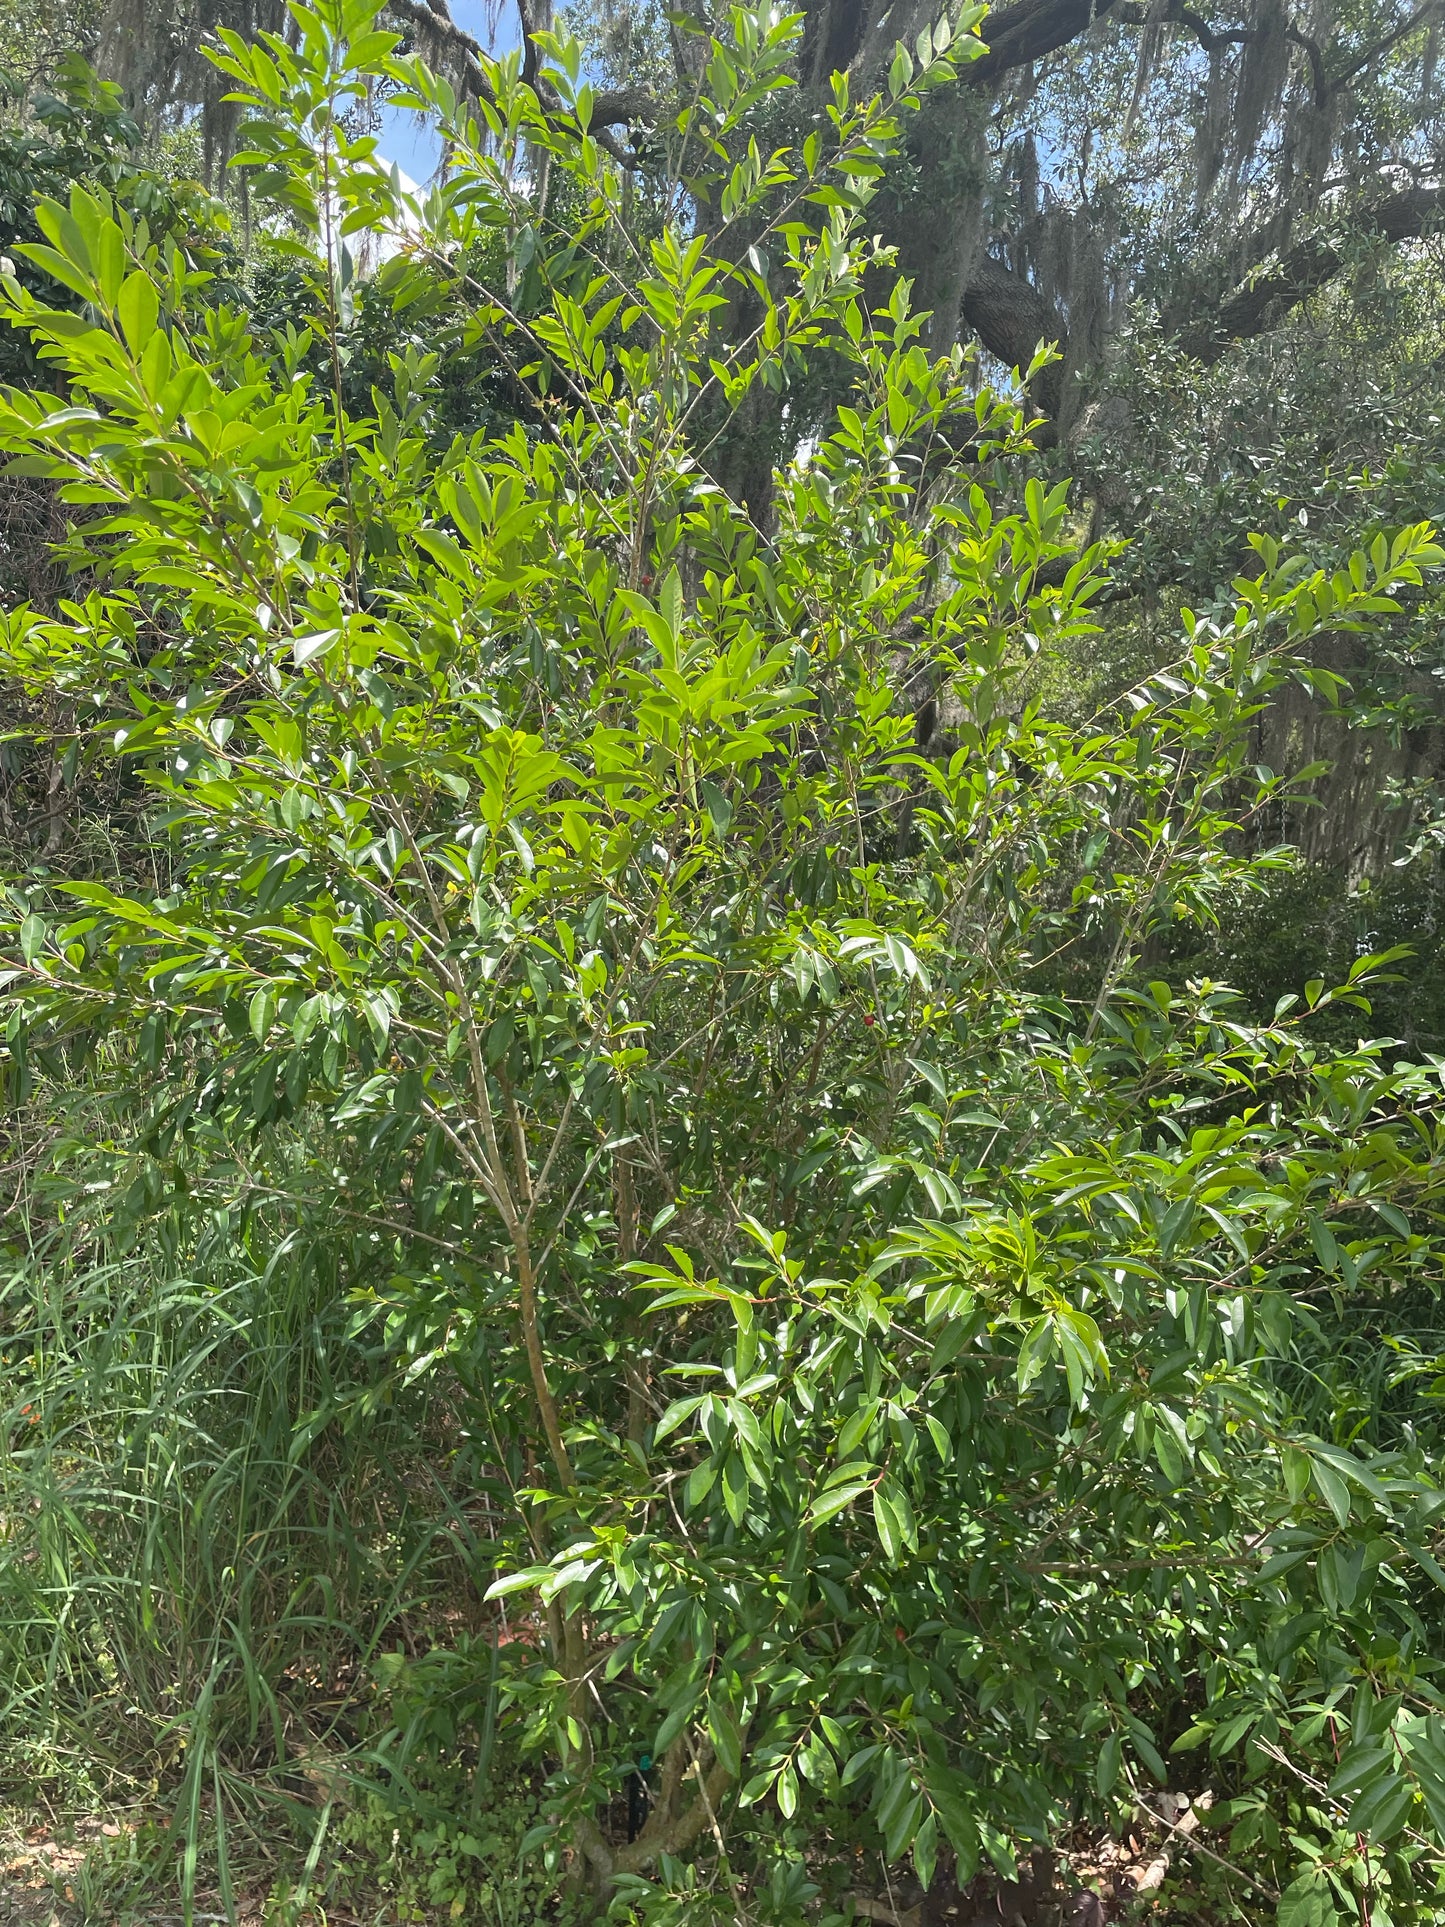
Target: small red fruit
[870, 1020]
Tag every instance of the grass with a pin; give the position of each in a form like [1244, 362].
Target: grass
[216, 1515]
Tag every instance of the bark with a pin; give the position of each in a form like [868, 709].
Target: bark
[839, 35]
[1011, 317]
[1030, 29]
[1004, 309]
[936, 220]
[55, 812]
[1351, 826]
[668, 1829]
[833, 33]
[637, 1375]
[1213, 40]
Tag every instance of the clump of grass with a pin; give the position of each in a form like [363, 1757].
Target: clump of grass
[204, 1543]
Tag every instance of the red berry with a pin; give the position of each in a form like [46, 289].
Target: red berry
[870, 1020]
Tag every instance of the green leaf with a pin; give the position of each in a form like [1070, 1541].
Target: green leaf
[1427, 1563]
[138, 309]
[735, 1487]
[33, 933]
[836, 1499]
[1297, 1467]
[527, 1580]
[678, 1413]
[1166, 1451]
[885, 1520]
[1332, 1489]
[1382, 1807]
[1326, 1250]
[1307, 1902]
[310, 648]
[1391, 1215]
[726, 1737]
[719, 809]
[925, 1850]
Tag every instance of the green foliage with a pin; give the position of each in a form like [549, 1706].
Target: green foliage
[1312, 922]
[440, 1848]
[82, 132]
[38, 40]
[889, 1373]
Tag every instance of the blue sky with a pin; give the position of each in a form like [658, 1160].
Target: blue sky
[411, 143]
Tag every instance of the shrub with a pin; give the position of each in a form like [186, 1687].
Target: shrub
[889, 1370]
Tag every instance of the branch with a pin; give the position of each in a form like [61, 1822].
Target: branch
[1308, 267]
[1010, 317]
[1402, 32]
[534, 17]
[437, 30]
[1017, 35]
[444, 40]
[1211, 39]
[867, 1908]
[665, 1834]
[1030, 29]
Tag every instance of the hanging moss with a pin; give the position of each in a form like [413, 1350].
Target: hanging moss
[1263, 75]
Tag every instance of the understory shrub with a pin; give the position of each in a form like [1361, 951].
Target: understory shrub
[888, 1378]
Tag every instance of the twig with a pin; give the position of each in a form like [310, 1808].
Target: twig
[722, 1852]
[1188, 1833]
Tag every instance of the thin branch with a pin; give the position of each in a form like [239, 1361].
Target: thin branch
[613, 107]
[1371, 54]
[1212, 39]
